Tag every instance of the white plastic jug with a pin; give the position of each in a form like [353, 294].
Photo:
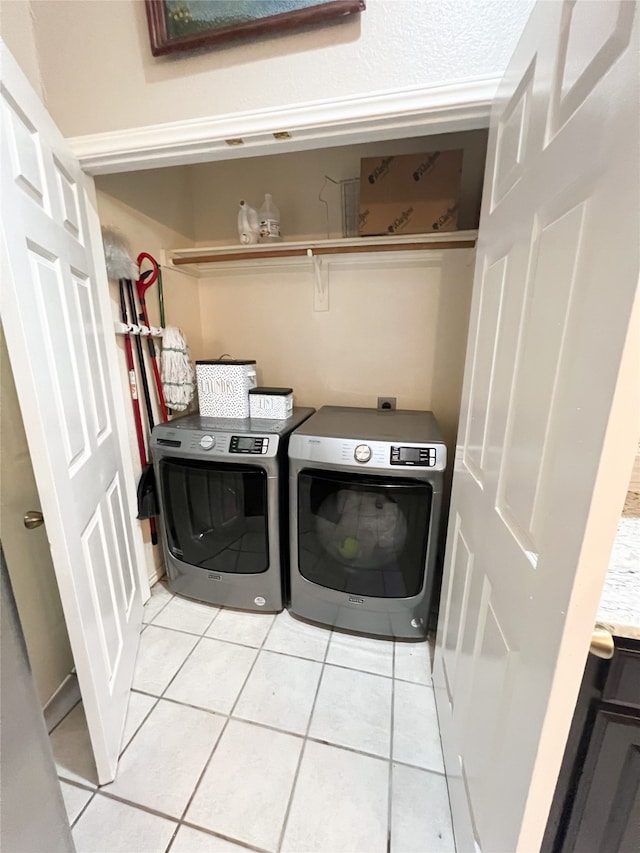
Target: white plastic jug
[248, 225]
[269, 217]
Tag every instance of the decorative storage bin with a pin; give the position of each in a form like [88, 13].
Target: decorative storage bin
[224, 385]
[275, 403]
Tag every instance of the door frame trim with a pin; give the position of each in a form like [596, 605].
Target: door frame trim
[393, 114]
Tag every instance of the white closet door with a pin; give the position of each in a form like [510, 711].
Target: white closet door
[544, 452]
[59, 336]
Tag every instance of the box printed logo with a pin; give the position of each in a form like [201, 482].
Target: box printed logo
[446, 217]
[381, 170]
[426, 166]
[401, 221]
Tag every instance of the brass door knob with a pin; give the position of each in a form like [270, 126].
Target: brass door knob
[602, 645]
[32, 519]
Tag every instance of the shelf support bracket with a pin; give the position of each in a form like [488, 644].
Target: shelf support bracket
[320, 281]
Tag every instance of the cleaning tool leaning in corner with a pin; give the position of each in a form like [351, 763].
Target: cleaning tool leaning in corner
[178, 376]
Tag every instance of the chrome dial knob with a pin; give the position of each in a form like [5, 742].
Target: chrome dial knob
[207, 442]
[362, 453]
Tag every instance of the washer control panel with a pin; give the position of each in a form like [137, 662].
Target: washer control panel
[424, 457]
[362, 453]
[248, 444]
[215, 445]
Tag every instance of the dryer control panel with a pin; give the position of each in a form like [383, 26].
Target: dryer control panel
[422, 456]
[368, 454]
[248, 444]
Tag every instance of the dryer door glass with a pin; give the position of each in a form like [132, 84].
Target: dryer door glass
[215, 516]
[363, 535]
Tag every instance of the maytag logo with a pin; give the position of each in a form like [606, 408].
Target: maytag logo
[214, 577]
[355, 600]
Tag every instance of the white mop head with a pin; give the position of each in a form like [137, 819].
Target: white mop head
[178, 376]
[116, 254]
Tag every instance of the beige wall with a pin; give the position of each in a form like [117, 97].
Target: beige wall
[396, 325]
[394, 328]
[27, 551]
[17, 32]
[99, 74]
[296, 180]
[181, 292]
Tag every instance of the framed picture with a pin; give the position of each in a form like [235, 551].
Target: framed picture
[176, 25]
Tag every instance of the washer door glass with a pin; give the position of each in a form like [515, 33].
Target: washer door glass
[215, 516]
[361, 534]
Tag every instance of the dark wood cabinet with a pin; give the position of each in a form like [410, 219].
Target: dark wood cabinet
[596, 805]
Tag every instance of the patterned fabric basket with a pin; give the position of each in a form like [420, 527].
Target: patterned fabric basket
[224, 385]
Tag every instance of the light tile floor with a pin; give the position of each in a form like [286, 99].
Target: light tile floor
[261, 732]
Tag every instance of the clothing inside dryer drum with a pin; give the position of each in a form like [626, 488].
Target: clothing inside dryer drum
[361, 530]
[215, 516]
[363, 535]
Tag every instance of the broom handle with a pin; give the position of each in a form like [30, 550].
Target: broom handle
[152, 356]
[133, 385]
[135, 403]
[143, 371]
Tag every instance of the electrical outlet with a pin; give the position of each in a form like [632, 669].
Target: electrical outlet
[388, 403]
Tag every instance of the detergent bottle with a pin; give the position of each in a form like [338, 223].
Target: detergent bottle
[248, 225]
[269, 217]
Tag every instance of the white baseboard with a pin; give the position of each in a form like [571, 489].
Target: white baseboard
[156, 573]
[62, 701]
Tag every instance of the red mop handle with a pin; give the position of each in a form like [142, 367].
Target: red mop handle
[145, 280]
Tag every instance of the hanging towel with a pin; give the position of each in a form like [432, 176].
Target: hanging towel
[178, 377]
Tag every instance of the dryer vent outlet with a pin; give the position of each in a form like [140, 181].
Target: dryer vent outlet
[388, 403]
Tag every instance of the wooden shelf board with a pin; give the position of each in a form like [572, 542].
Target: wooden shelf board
[409, 243]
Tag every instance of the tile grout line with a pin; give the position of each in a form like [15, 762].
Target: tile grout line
[305, 740]
[175, 675]
[228, 838]
[444, 770]
[220, 736]
[161, 696]
[266, 727]
[83, 810]
[59, 723]
[217, 607]
[284, 654]
[180, 821]
[157, 813]
[142, 722]
[390, 783]
[306, 737]
[172, 596]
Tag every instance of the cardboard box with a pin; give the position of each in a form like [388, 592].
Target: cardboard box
[410, 194]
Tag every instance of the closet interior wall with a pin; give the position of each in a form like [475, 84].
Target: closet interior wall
[152, 211]
[397, 322]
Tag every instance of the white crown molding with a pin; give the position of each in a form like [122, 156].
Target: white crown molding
[463, 105]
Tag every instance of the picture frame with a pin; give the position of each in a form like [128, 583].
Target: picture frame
[181, 25]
